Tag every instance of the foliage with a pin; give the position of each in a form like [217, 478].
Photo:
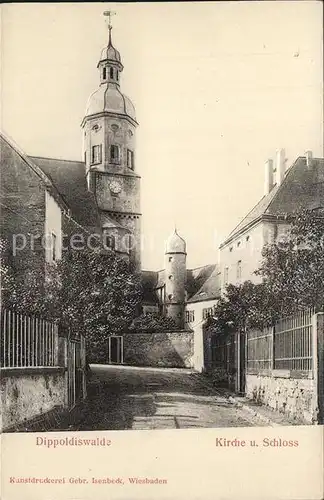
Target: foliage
[152, 323]
[86, 291]
[240, 306]
[293, 268]
[6, 272]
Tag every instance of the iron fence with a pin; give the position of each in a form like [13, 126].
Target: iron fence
[285, 346]
[259, 347]
[293, 342]
[27, 341]
[223, 352]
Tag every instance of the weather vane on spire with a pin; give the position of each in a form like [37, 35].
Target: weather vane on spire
[109, 14]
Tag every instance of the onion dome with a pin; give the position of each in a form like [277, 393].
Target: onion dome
[175, 244]
[109, 98]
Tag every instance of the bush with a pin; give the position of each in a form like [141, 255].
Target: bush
[152, 323]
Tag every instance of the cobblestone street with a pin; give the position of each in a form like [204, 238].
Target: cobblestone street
[150, 398]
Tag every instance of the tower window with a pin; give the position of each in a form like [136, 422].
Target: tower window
[104, 73]
[110, 241]
[130, 159]
[117, 75]
[114, 153]
[170, 296]
[170, 259]
[111, 72]
[170, 277]
[239, 269]
[96, 154]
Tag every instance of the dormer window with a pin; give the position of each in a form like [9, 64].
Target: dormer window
[111, 72]
[114, 153]
[104, 73]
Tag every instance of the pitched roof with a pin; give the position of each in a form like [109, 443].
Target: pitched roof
[301, 188]
[209, 290]
[69, 178]
[50, 186]
[196, 279]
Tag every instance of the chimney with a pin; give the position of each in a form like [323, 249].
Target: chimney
[280, 166]
[309, 158]
[268, 180]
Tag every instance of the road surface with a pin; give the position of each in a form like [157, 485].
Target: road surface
[123, 398]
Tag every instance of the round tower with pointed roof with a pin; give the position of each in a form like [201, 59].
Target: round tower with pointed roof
[109, 129]
[175, 278]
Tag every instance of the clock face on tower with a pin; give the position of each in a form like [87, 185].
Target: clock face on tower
[115, 187]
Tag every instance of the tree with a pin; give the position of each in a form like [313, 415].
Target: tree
[241, 306]
[293, 269]
[87, 292]
[152, 323]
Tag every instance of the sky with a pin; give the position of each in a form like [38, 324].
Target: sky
[218, 87]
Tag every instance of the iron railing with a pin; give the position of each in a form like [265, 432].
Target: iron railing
[27, 341]
[285, 346]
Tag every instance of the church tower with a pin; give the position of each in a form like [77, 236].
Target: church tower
[175, 278]
[109, 129]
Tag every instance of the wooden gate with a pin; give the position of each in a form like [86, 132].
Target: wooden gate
[115, 350]
[75, 373]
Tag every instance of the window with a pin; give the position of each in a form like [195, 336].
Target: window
[85, 157]
[247, 238]
[96, 154]
[104, 73]
[54, 243]
[117, 75]
[238, 243]
[170, 296]
[226, 276]
[170, 259]
[130, 159]
[239, 269]
[110, 241]
[170, 277]
[190, 316]
[111, 72]
[231, 249]
[114, 153]
[207, 312]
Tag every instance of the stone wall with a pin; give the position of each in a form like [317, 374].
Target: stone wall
[296, 397]
[172, 350]
[28, 392]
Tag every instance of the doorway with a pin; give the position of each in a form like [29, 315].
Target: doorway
[115, 350]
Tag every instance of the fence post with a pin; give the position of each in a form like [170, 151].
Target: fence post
[318, 363]
[273, 355]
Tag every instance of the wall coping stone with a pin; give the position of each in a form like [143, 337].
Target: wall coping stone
[291, 374]
[166, 332]
[31, 370]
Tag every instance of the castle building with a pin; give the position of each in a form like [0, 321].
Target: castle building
[286, 190]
